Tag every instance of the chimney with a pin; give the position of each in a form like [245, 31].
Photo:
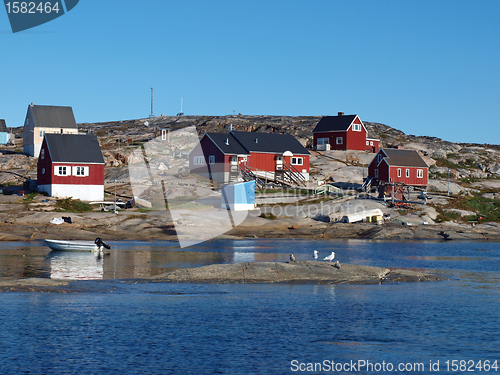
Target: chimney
[341, 113]
[227, 141]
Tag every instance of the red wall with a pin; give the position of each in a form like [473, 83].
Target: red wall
[267, 162]
[206, 148]
[412, 180]
[95, 177]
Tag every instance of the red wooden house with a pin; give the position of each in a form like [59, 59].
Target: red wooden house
[71, 166]
[343, 133]
[221, 157]
[399, 166]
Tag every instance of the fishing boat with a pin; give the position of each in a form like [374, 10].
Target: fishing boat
[91, 246]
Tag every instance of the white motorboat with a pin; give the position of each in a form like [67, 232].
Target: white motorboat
[91, 246]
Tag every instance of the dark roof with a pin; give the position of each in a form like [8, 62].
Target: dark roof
[334, 123]
[404, 158]
[48, 116]
[227, 143]
[74, 148]
[3, 126]
[270, 142]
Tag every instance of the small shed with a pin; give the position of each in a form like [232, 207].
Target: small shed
[239, 196]
[4, 133]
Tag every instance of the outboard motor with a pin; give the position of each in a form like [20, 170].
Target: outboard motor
[100, 243]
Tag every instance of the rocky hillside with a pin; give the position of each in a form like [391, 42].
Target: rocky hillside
[465, 160]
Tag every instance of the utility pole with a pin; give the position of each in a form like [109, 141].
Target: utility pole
[448, 181]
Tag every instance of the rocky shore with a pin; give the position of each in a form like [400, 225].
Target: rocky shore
[293, 272]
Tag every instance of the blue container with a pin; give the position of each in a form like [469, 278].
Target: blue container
[239, 196]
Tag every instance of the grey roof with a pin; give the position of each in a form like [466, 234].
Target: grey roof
[227, 143]
[74, 148]
[270, 142]
[404, 158]
[48, 116]
[334, 123]
[3, 126]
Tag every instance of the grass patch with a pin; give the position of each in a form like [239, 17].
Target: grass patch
[131, 217]
[73, 205]
[269, 216]
[486, 209]
[28, 198]
[446, 163]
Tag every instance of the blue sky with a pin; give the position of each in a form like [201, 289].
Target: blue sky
[424, 67]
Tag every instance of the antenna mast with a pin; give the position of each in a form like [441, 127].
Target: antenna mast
[151, 114]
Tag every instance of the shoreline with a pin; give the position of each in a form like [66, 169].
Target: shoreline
[279, 229]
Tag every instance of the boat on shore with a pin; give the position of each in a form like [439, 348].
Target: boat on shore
[64, 245]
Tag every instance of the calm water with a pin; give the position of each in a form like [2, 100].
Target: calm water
[156, 328]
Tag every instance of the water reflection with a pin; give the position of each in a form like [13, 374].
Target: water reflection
[140, 259]
[74, 265]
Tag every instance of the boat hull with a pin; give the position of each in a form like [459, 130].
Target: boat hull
[59, 245]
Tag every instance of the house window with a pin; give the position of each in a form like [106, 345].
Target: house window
[376, 173]
[211, 159]
[42, 153]
[198, 160]
[164, 134]
[371, 143]
[60, 170]
[323, 141]
[407, 173]
[367, 143]
[420, 173]
[80, 171]
[379, 158]
[41, 133]
[356, 127]
[43, 170]
[297, 161]
[340, 140]
[399, 172]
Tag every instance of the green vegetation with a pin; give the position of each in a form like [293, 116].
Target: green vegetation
[269, 216]
[486, 209]
[70, 205]
[29, 197]
[446, 163]
[283, 191]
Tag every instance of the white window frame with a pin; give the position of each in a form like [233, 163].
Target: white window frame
[407, 173]
[339, 141]
[198, 160]
[297, 161]
[356, 127]
[399, 172]
[59, 168]
[367, 143]
[164, 134]
[371, 143]
[211, 159]
[77, 171]
[420, 173]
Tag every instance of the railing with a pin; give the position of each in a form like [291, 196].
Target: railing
[367, 184]
[248, 175]
[327, 188]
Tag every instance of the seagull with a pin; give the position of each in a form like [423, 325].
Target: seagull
[315, 256]
[292, 258]
[330, 257]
